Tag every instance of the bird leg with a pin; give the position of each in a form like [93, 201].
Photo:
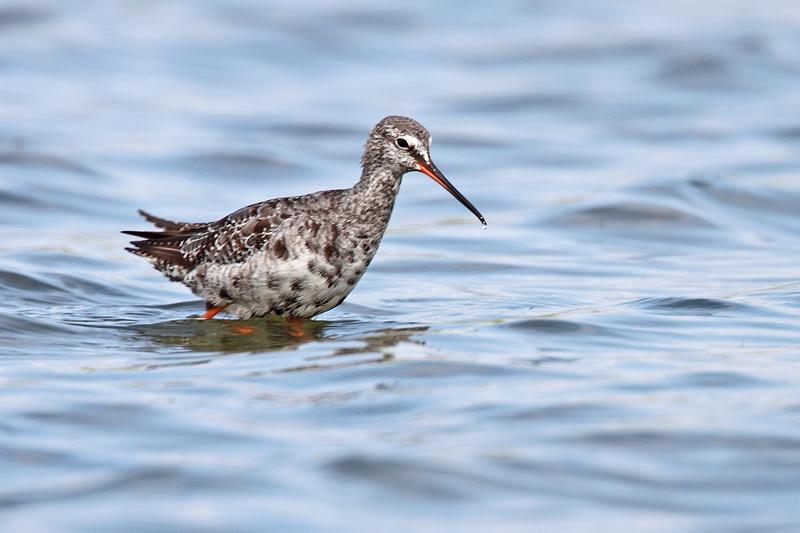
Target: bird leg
[211, 313]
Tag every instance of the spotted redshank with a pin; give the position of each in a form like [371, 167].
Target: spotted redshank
[299, 256]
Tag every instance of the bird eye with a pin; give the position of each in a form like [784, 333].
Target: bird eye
[402, 143]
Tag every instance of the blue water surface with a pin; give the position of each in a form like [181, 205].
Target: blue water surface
[618, 351]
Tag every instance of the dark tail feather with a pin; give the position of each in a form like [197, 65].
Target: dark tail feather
[173, 256]
[149, 234]
[162, 223]
[170, 228]
[165, 246]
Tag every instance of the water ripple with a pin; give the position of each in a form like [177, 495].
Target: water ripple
[619, 347]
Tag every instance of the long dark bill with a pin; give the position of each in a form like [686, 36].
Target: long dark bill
[430, 170]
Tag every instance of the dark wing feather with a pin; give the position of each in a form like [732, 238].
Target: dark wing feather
[235, 237]
[228, 240]
[231, 239]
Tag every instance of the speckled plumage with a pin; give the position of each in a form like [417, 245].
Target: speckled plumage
[298, 256]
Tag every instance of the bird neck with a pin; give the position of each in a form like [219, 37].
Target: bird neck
[375, 193]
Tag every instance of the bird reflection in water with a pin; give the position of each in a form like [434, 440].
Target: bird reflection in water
[378, 342]
[266, 335]
[232, 336]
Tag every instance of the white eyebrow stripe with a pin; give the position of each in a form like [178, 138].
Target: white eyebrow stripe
[423, 154]
[416, 145]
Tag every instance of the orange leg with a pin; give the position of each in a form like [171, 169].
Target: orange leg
[211, 313]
